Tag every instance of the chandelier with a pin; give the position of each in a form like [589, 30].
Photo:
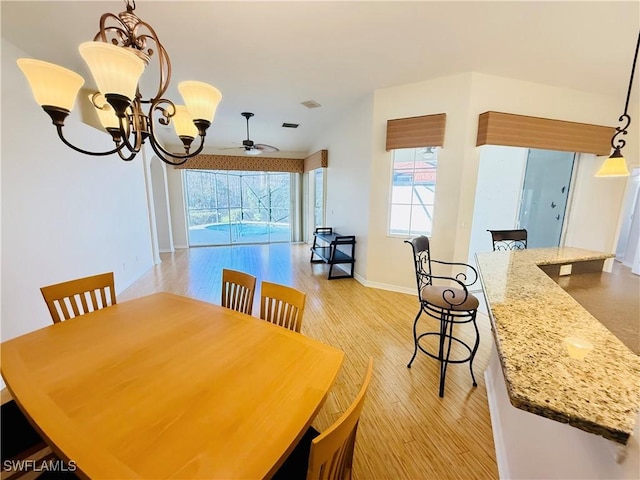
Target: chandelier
[616, 165]
[117, 57]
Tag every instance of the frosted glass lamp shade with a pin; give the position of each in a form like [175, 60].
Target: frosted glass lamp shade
[106, 114]
[51, 85]
[116, 70]
[252, 151]
[614, 166]
[183, 124]
[201, 99]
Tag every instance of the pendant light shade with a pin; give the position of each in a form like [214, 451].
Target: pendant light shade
[116, 70]
[201, 99]
[51, 85]
[614, 166]
[183, 124]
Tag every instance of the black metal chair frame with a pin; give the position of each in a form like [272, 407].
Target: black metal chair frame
[508, 239]
[447, 317]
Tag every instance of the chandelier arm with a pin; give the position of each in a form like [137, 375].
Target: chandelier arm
[126, 31]
[129, 158]
[161, 152]
[86, 152]
[157, 147]
[164, 63]
[102, 33]
[126, 128]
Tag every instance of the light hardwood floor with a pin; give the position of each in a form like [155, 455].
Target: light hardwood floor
[406, 431]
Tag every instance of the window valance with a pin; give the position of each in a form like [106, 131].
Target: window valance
[244, 163]
[496, 128]
[320, 159]
[424, 131]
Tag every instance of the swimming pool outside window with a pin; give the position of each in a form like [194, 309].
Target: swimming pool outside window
[232, 207]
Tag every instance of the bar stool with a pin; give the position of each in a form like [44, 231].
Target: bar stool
[450, 305]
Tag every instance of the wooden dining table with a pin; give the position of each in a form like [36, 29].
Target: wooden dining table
[166, 386]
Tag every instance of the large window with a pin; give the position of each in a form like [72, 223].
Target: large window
[413, 189]
[227, 207]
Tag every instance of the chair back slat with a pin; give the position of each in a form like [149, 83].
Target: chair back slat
[238, 289]
[282, 305]
[76, 297]
[331, 455]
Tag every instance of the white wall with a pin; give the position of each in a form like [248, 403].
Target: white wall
[595, 209]
[64, 215]
[349, 176]
[463, 98]
[389, 262]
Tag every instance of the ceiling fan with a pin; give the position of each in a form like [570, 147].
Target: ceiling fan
[252, 148]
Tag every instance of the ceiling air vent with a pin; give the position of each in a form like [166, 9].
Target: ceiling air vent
[290, 125]
[311, 104]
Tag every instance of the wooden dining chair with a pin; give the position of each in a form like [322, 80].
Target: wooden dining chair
[238, 290]
[508, 239]
[282, 305]
[328, 455]
[76, 297]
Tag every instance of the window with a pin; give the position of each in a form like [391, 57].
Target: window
[318, 204]
[413, 188]
[229, 207]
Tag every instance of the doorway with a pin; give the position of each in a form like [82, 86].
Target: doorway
[521, 188]
[545, 192]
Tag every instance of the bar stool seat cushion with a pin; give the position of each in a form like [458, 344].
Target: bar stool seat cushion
[436, 296]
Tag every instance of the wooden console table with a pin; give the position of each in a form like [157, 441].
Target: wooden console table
[326, 245]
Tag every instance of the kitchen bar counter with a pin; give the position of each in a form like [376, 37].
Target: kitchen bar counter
[558, 361]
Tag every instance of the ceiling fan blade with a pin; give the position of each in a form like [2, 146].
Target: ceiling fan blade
[266, 148]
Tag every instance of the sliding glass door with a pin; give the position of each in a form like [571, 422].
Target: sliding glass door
[229, 207]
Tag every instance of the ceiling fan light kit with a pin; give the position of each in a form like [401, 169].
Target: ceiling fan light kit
[117, 58]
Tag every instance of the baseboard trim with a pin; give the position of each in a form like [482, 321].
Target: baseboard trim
[386, 286]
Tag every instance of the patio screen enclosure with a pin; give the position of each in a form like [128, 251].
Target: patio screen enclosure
[235, 207]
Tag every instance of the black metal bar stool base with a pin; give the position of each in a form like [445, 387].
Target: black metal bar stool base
[445, 341]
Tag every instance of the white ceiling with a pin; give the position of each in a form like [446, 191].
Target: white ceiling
[267, 57]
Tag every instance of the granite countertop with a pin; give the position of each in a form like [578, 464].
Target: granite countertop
[541, 333]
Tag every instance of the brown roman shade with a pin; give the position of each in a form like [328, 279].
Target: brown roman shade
[424, 131]
[256, 163]
[320, 159]
[496, 128]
